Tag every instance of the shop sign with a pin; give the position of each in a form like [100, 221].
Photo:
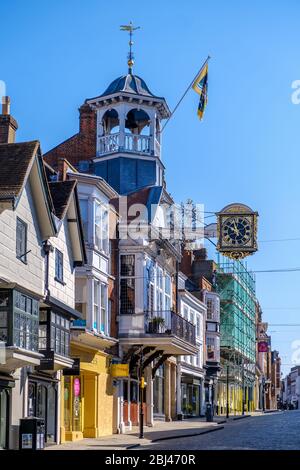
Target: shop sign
[76, 387]
[119, 370]
[47, 362]
[75, 369]
[263, 346]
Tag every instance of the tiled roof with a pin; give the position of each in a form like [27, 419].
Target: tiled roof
[15, 160]
[61, 192]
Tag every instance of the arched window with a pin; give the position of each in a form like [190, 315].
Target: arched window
[138, 122]
[110, 122]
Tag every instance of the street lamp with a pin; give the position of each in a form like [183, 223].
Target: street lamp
[227, 391]
[141, 394]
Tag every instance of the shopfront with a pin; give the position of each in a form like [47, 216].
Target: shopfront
[191, 392]
[42, 403]
[87, 399]
[6, 384]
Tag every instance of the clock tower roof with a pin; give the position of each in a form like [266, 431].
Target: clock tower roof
[128, 84]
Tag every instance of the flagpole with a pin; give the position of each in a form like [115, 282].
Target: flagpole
[184, 94]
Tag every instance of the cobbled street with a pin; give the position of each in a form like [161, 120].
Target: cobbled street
[277, 431]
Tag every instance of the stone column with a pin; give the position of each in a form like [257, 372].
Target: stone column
[149, 397]
[129, 406]
[173, 392]
[167, 397]
[178, 397]
[121, 403]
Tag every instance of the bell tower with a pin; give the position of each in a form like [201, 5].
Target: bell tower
[129, 116]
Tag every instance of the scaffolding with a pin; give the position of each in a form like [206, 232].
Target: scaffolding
[236, 287]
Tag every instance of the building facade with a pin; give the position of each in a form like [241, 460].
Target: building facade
[39, 252]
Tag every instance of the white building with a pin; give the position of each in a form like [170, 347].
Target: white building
[190, 368]
[39, 248]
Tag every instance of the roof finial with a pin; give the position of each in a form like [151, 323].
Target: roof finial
[130, 28]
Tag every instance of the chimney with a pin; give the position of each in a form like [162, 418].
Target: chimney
[8, 125]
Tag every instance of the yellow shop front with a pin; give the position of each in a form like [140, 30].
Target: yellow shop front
[87, 399]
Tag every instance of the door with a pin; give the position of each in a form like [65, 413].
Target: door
[42, 403]
[4, 404]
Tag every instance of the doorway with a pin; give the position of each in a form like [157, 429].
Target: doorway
[4, 416]
[42, 403]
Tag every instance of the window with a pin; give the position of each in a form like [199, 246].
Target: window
[101, 227]
[84, 217]
[185, 313]
[59, 266]
[211, 327]
[26, 322]
[159, 289]
[4, 301]
[210, 344]
[192, 317]
[59, 334]
[210, 309]
[100, 307]
[80, 301]
[198, 329]
[127, 285]
[21, 240]
[167, 292]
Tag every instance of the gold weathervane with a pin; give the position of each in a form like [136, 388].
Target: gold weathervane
[130, 28]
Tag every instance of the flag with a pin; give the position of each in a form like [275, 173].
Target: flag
[200, 87]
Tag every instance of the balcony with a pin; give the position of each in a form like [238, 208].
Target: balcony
[168, 322]
[132, 143]
[165, 330]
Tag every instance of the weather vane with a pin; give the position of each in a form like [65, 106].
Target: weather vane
[130, 28]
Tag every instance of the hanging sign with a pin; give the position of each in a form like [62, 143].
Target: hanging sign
[119, 370]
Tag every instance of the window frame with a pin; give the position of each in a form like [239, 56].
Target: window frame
[59, 268]
[127, 281]
[22, 256]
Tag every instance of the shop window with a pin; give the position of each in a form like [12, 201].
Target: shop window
[158, 391]
[21, 240]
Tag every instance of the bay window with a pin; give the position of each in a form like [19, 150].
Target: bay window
[19, 319]
[54, 332]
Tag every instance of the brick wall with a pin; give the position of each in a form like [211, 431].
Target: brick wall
[81, 146]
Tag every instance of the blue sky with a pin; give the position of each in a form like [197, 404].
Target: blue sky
[56, 53]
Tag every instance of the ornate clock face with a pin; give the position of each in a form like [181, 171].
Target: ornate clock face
[236, 231]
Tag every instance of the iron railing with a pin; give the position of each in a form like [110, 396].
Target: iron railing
[168, 322]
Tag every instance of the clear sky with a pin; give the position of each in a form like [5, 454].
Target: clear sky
[57, 53]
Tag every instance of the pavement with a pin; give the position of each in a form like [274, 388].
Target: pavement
[161, 432]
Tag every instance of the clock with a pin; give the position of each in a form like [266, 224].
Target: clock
[237, 231]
